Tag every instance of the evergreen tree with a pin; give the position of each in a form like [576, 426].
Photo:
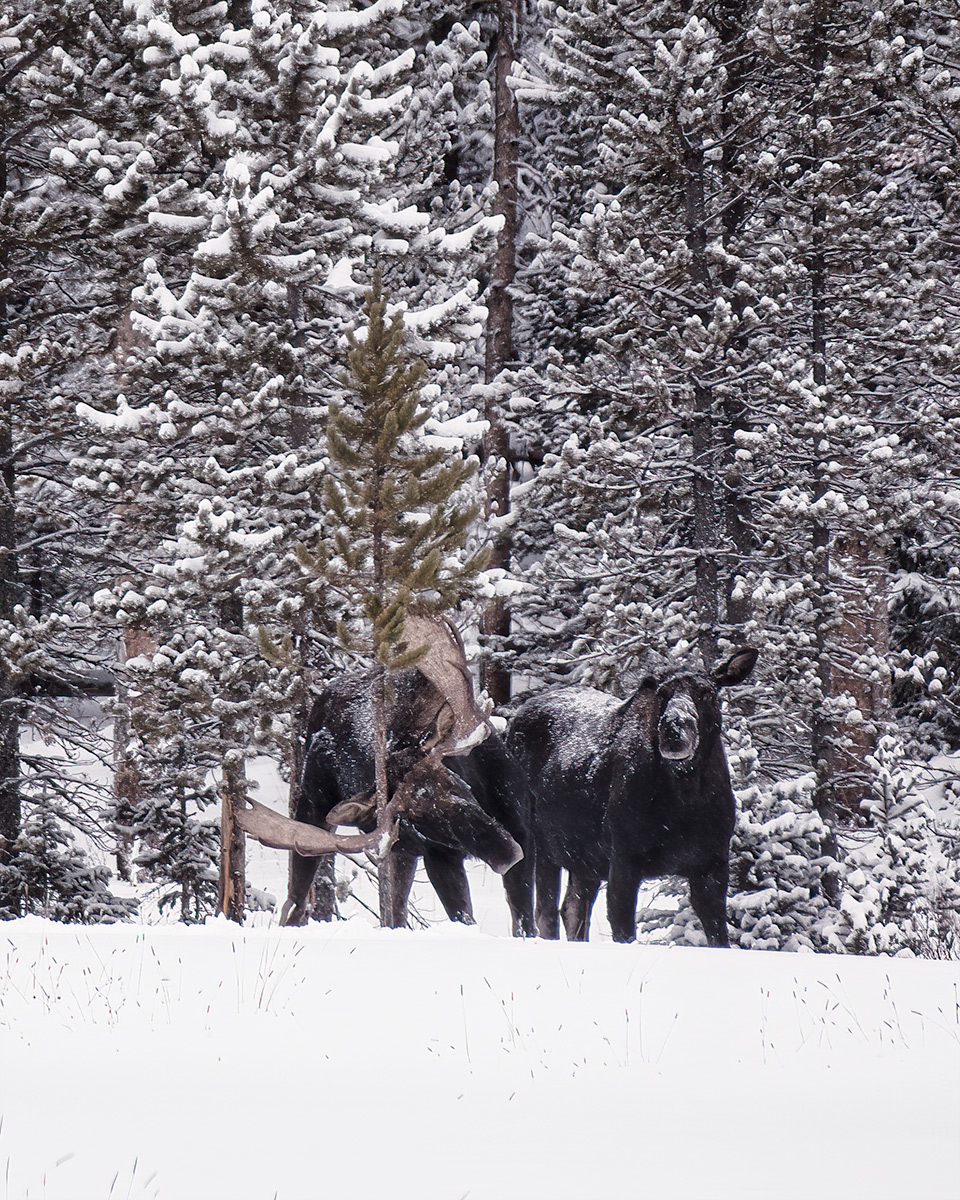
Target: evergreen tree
[57, 323]
[49, 875]
[901, 891]
[400, 520]
[652, 387]
[745, 431]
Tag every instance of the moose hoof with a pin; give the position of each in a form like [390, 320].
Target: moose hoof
[292, 914]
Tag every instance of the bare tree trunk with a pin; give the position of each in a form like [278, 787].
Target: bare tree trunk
[126, 777]
[859, 670]
[11, 814]
[11, 703]
[126, 787]
[705, 526]
[233, 842]
[495, 623]
[392, 906]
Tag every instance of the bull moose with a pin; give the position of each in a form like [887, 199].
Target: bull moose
[455, 790]
[630, 790]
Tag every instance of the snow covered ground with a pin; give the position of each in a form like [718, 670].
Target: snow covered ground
[450, 1063]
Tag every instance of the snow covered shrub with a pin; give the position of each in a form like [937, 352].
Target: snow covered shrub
[54, 878]
[779, 872]
[175, 822]
[901, 886]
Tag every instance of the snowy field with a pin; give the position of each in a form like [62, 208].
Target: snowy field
[450, 1063]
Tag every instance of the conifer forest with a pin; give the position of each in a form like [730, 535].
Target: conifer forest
[613, 332]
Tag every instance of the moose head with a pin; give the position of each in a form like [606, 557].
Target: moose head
[675, 710]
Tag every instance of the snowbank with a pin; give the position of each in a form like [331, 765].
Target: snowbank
[447, 1063]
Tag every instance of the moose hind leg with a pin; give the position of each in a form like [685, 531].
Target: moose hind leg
[578, 905]
[446, 872]
[548, 898]
[396, 873]
[302, 871]
[708, 896]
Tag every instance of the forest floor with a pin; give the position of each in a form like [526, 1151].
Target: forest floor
[453, 1063]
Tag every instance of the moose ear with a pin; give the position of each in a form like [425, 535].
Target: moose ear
[359, 810]
[737, 667]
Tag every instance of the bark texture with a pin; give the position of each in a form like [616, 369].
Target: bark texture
[500, 351]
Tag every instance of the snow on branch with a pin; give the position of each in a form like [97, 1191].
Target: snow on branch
[124, 420]
[338, 24]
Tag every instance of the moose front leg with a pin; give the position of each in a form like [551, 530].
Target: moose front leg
[708, 896]
[398, 867]
[548, 897]
[518, 886]
[446, 872]
[622, 888]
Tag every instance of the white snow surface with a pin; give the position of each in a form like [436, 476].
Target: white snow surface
[449, 1063]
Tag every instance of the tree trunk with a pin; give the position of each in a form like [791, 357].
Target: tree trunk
[823, 731]
[495, 622]
[736, 509]
[11, 813]
[233, 842]
[705, 527]
[233, 882]
[11, 703]
[393, 908]
[126, 777]
[126, 788]
[321, 901]
[859, 673]
[823, 726]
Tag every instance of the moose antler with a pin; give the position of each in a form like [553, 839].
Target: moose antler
[272, 829]
[460, 723]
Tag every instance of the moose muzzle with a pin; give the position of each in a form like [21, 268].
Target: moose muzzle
[678, 732]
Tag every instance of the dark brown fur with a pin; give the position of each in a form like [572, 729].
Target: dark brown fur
[630, 791]
[470, 806]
